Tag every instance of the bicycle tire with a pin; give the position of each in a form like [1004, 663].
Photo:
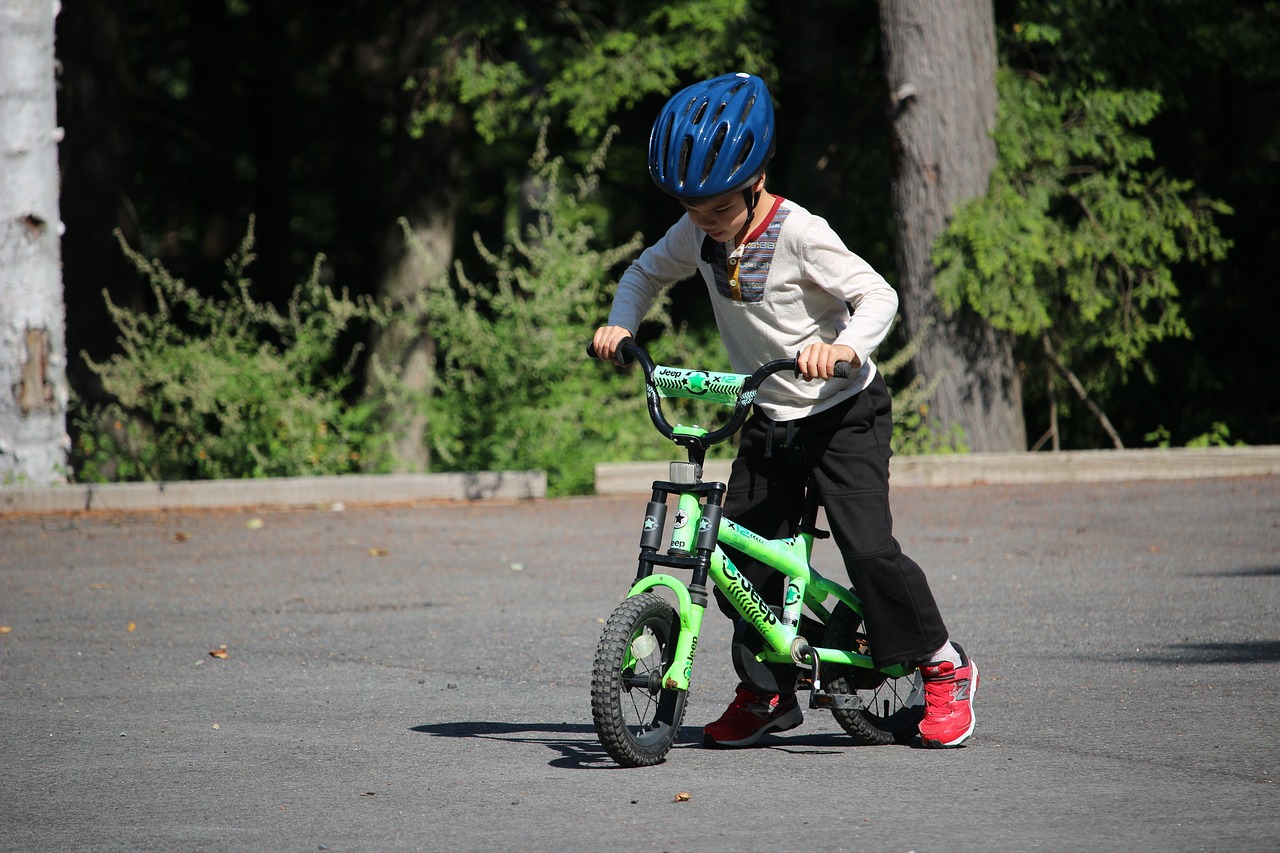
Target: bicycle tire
[890, 708]
[636, 718]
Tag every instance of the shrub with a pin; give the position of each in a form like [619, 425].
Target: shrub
[209, 388]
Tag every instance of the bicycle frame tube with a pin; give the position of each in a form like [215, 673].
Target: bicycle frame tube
[791, 557]
[687, 523]
[804, 587]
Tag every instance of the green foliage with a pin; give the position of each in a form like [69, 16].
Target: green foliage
[227, 388]
[1219, 435]
[508, 70]
[1078, 237]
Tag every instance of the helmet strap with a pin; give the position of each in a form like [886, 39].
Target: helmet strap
[752, 199]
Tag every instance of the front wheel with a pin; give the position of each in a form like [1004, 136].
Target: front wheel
[890, 708]
[636, 717]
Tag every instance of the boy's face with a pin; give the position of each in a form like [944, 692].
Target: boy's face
[721, 217]
[724, 216]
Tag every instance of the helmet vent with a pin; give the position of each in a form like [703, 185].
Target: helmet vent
[717, 142]
[746, 108]
[697, 117]
[666, 142]
[682, 168]
[743, 154]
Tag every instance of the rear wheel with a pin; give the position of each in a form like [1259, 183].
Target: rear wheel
[890, 708]
[636, 717]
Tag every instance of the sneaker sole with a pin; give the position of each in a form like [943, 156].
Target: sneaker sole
[973, 719]
[785, 723]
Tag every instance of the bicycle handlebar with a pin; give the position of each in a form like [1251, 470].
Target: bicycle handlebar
[732, 389]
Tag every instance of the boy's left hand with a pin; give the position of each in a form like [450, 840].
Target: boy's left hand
[818, 361]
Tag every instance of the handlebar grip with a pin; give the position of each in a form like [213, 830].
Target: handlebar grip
[841, 369]
[622, 356]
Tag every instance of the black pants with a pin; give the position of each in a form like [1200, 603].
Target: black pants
[846, 449]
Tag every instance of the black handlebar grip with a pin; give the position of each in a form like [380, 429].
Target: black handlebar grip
[843, 370]
[620, 357]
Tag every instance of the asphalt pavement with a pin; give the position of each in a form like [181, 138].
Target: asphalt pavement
[404, 677]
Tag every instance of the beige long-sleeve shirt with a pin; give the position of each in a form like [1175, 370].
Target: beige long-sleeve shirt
[796, 284]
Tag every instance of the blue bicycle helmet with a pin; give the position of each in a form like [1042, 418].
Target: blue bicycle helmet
[712, 138]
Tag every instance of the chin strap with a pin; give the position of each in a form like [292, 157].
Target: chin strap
[752, 199]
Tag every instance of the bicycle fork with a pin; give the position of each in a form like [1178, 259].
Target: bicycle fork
[693, 540]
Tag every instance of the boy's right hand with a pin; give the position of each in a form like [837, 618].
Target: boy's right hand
[607, 339]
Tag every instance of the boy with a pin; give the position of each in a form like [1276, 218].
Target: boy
[782, 282]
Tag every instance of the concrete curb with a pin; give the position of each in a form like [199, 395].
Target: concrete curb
[633, 478]
[1072, 466]
[280, 491]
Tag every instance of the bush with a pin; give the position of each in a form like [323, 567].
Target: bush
[227, 388]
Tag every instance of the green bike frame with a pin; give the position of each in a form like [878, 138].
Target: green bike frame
[780, 631]
[698, 531]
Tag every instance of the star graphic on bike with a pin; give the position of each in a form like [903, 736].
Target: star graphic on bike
[650, 522]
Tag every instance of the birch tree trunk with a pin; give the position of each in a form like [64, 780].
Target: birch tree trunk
[33, 385]
[940, 62]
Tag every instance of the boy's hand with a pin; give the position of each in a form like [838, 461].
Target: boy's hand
[606, 341]
[818, 361]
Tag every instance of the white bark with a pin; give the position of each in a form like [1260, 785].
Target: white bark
[33, 385]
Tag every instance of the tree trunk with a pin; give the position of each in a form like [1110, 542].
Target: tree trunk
[940, 59]
[33, 385]
[426, 192]
[411, 352]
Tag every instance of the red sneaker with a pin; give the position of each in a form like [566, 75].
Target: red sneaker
[948, 693]
[751, 716]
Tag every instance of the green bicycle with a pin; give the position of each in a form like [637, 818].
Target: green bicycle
[644, 659]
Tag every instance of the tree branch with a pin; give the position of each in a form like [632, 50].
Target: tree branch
[1078, 386]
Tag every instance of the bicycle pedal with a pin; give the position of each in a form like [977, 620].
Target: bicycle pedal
[821, 700]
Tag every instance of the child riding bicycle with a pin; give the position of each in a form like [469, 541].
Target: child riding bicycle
[781, 281]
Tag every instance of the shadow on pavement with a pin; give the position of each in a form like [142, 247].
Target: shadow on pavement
[1257, 651]
[579, 749]
[1243, 572]
[577, 744]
